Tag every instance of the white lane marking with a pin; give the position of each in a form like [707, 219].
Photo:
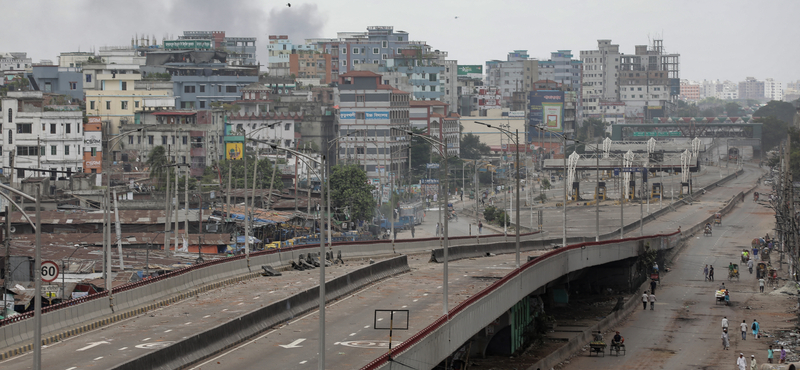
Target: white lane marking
[145, 339]
[425, 294]
[224, 310]
[188, 323]
[381, 319]
[206, 316]
[293, 344]
[167, 331]
[404, 307]
[91, 345]
[121, 349]
[352, 334]
[439, 287]
[302, 362]
[72, 368]
[98, 358]
[256, 297]
[240, 304]
[274, 330]
[272, 292]
[415, 300]
[366, 327]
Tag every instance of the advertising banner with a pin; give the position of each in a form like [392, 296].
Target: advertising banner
[187, 44]
[472, 71]
[233, 151]
[367, 115]
[546, 109]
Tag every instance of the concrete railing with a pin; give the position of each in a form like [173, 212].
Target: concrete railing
[222, 336]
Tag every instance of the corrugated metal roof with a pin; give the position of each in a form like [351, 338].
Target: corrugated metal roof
[145, 217]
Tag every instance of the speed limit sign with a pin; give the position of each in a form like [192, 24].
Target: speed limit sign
[49, 271]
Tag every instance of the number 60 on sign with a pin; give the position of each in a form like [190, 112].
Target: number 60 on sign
[49, 271]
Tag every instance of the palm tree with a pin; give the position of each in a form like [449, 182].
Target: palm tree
[157, 160]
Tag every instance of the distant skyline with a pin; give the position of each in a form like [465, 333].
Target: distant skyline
[725, 40]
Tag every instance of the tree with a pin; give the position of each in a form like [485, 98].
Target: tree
[472, 147]
[420, 153]
[264, 174]
[157, 161]
[687, 110]
[773, 131]
[781, 110]
[349, 188]
[733, 109]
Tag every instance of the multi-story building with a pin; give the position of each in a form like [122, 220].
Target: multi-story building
[600, 76]
[751, 88]
[435, 117]
[369, 114]
[115, 92]
[192, 137]
[280, 50]
[256, 120]
[38, 137]
[240, 50]
[649, 82]
[312, 65]
[58, 80]
[566, 71]
[517, 73]
[15, 62]
[74, 59]
[690, 90]
[773, 90]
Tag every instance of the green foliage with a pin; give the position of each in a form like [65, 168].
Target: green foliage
[349, 188]
[157, 76]
[685, 109]
[420, 154]
[545, 184]
[733, 109]
[157, 161]
[229, 108]
[263, 175]
[495, 215]
[773, 132]
[591, 128]
[489, 213]
[472, 147]
[781, 110]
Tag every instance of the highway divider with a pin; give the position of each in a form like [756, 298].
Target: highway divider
[229, 334]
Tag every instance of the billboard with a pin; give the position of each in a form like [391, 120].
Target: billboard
[187, 44]
[367, 115]
[489, 98]
[233, 151]
[472, 71]
[546, 109]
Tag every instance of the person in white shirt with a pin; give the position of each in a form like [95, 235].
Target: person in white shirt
[652, 300]
[753, 365]
[741, 362]
[761, 284]
[725, 339]
[744, 329]
[724, 322]
[644, 300]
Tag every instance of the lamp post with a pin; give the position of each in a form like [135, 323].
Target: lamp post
[440, 147]
[564, 205]
[109, 148]
[515, 138]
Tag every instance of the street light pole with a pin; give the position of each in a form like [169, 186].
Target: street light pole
[37, 276]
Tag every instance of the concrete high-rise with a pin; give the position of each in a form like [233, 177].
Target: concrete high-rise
[600, 77]
[517, 74]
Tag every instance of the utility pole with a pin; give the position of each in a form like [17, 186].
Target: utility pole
[168, 208]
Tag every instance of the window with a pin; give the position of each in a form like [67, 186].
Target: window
[123, 85]
[73, 85]
[163, 140]
[344, 50]
[355, 61]
[27, 150]
[138, 139]
[130, 139]
[219, 88]
[360, 98]
[53, 150]
[385, 56]
[188, 89]
[52, 128]
[173, 139]
[108, 104]
[344, 62]
[10, 137]
[88, 78]
[202, 104]
[136, 104]
[288, 143]
[375, 51]
[202, 88]
[123, 104]
[68, 128]
[384, 44]
[91, 105]
[183, 159]
[287, 127]
[360, 115]
[66, 149]
[23, 128]
[230, 89]
[185, 140]
[375, 61]
[355, 50]
[150, 139]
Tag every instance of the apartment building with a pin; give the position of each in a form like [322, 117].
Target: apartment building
[649, 82]
[370, 113]
[281, 49]
[690, 90]
[240, 50]
[773, 90]
[751, 88]
[517, 73]
[35, 136]
[566, 71]
[435, 117]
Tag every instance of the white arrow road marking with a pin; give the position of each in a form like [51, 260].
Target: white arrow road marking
[293, 344]
[92, 345]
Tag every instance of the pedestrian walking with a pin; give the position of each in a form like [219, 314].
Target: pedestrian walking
[782, 359]
[761, 283]
[726, 342]
[750, 265]
[705, 273]
[753, 365]
[437, 229]
[412, 231]
[743, 325]
[652, 286]
[652, 300]
[711, 273]
[755, 327]
[725, 323]
[770, 354]
[644, 300]
[480, 227]
[741, 362]
[755, 253]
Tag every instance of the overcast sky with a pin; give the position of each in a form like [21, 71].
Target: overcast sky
[722, 40]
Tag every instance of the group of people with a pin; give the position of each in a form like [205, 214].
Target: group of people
[754, 328]
[649, 298]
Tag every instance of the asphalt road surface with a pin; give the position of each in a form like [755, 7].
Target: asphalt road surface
[683, 332]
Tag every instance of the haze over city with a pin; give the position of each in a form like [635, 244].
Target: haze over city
[726, 40]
